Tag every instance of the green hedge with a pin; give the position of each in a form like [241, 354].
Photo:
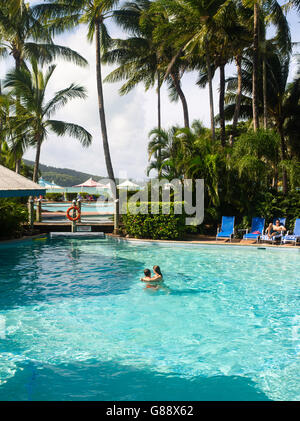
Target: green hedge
[71, 196]
[157, 227]
[55, 197]
[13, 218]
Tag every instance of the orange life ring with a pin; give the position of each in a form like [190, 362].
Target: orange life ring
[71, 218]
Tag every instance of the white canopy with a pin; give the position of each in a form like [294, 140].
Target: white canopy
[127, 184]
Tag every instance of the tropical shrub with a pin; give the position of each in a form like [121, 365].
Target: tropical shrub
[280, 205]
[71, 196]
[13, 218]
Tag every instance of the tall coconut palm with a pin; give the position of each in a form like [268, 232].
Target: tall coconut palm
[282, 98]
[195, 23]
[137, 57]
[34, 119]
[272, 9]
[230, 39]
[24, 37]
[94, 14]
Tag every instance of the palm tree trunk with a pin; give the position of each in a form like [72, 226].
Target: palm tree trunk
[283, 158]
[265, 93]
[221, 103]
[238, 101]
[18, 62]
[255, 67]
[159, 121]
[37, 160]
[275, 178]
[264, 77]
[158, 102]
[211, 97]
[182, 98]
[109, 167]
[18, 165]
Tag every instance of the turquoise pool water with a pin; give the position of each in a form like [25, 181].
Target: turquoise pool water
[77, 324]
[85, 207]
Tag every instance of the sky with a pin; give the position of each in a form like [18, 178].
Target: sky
[129, 118]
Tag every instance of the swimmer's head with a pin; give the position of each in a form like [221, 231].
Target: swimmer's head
[147, 272]
[157, 270]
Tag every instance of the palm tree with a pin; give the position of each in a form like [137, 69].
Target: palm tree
[137, 56]
[24, 36]
[230, 39]
[256, 157]
[144, 57]
[33, 121]
[273, 10]
[194, 27]
[282, 98]
[93, 13]
[188, 153]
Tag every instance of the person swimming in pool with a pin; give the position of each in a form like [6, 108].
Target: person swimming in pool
[147, 276]
[154, 281]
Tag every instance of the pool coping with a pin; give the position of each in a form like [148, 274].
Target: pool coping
[21, 239]
[174, 242]
[205, 242]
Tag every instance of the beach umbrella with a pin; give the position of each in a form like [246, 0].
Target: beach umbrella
[128, 185]
[90, 183]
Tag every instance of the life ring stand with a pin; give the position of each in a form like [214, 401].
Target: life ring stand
[71, 218]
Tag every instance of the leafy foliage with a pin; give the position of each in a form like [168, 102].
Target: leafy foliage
[13, 218]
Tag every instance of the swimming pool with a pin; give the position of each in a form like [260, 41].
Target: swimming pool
[76, 323]
[96, 207]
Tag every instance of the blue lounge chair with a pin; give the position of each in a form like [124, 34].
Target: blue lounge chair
[293, 237]
[227, 228]
[257, 229]
[274, 238]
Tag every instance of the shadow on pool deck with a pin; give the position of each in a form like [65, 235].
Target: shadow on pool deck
[96, 381]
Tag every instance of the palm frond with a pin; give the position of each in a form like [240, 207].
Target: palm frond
[62, 128]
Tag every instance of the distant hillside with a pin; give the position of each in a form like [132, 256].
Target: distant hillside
[63, 176]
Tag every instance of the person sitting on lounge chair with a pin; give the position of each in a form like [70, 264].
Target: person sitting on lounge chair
[276, 229]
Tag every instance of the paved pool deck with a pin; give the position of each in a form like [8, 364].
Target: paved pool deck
[207, 240]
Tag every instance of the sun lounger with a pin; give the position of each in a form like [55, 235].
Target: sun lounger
[227, 228]
[293, 238]
[257, 229]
